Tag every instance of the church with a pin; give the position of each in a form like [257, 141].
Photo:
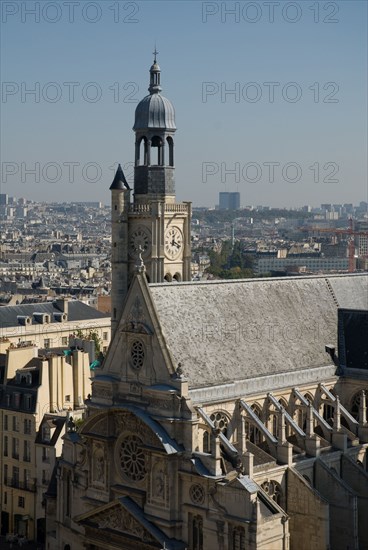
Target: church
[227, 415]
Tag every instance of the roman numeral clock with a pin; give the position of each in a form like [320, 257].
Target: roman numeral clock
[173, 243]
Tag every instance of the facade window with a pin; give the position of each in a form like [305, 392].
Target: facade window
[27, 478]
[5, 497]
[6, 481]
[64, 340]
[21, 502]
[46, 433]
[15, 479]
[15, 424]
[328, 413]
[221, 421]
[5, 445]
[273, 489]
[197, 533]
[15, 448]
[27, 400]
[132, 458]
[27, 451]
[16, 398]
[105, 335]
[45, 477]
[45, 454]
[237, 538]
[196, 493]
[206, 442]
[355, 404]
[27, 426]
[46, 343]
[6, 424]
[67, 495]
[67, 398]
[137, 354]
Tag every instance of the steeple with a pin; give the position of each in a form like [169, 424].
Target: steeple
[119, 181]
[154, 127]
[155, 76]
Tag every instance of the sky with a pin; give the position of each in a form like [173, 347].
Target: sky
[270, 97]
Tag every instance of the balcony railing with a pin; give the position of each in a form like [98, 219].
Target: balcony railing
[24, 485]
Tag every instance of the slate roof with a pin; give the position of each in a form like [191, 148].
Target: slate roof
[77, 311]
[226, 331]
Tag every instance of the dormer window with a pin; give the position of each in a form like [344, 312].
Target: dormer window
[46, 433]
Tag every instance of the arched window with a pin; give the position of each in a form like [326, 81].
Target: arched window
[300, 417]
[355, 404]
[273, 424]
[309, 397]
[197, 533]
[156, 145]
[141, 152]
[328, 413]
[177, 277]
[170, 143]
[237, 540]
[206, 442]
[253, 432]
[168, 278]
[222, 421]
[273, 489]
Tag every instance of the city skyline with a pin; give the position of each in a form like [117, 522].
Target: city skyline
[269, 102]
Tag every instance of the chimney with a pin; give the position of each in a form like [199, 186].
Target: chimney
[62, 304]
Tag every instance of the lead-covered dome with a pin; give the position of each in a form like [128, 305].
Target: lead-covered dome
[155, 110]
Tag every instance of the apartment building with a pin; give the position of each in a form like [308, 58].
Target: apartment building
[37, 394]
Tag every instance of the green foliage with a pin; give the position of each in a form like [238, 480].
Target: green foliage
[230, 262]
[91, 335]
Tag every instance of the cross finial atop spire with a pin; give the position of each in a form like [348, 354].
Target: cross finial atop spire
[155, 52]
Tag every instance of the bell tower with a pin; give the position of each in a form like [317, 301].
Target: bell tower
[154, 128]
[154, 226]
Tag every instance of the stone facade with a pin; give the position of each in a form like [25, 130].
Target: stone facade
[220, 418]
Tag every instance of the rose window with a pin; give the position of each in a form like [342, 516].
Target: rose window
[196, 493]
[132, 458]
[137, 354]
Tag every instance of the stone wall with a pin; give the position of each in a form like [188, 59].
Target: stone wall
[308, 513]
[343, 507]
[355, 476]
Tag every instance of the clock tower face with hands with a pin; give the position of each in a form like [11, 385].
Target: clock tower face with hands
[173, 242]
[154, 227]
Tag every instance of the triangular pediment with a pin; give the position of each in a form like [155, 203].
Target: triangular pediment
[140, 322]
[123, 517]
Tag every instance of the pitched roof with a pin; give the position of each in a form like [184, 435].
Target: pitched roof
[226, 331]
[77, 311]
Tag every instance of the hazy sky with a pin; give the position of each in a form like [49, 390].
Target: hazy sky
[270, 97]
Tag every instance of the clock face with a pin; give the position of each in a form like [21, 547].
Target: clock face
[139, 241]
[173, 242]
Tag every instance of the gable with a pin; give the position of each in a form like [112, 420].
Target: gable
[138, 353]
[124, 519]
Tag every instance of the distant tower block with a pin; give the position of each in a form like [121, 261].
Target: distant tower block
[229, 201]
